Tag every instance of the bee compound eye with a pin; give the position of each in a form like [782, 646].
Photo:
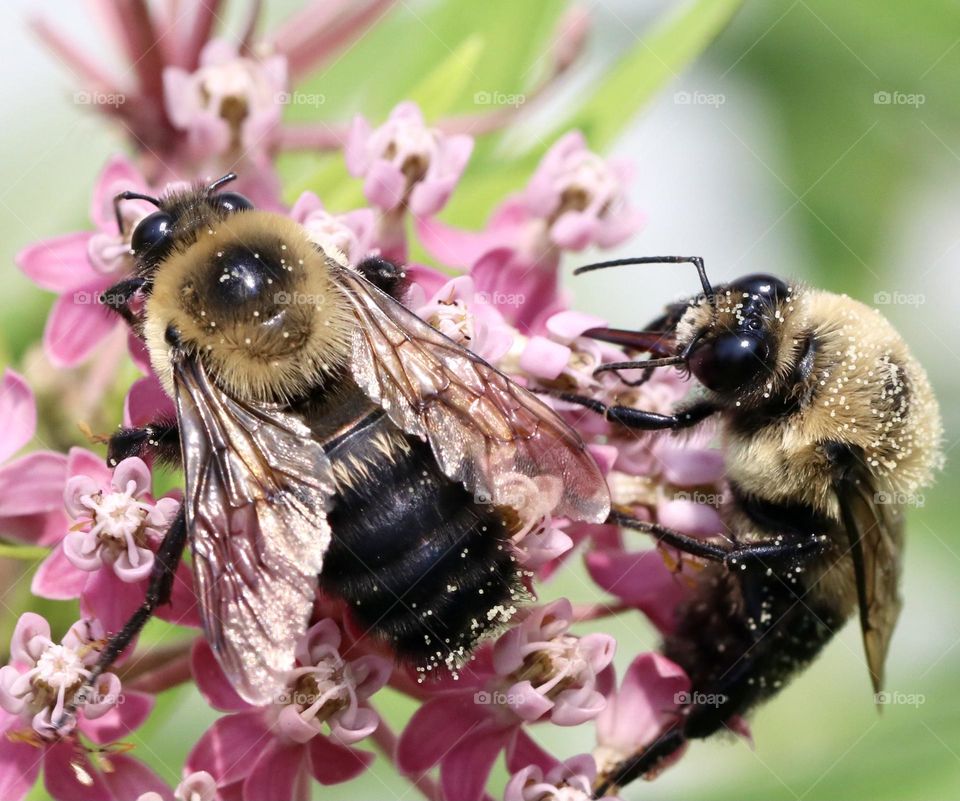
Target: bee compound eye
[231, 202]
[153, 235]
[731, 361]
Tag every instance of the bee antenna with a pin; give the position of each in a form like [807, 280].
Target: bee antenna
[129, 195]
[697, 261]
[224, 179]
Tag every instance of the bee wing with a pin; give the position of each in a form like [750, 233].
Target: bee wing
[875, 532]
[257, 487]
[480, 425]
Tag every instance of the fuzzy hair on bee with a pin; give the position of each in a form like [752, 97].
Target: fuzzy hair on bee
[332, 442]
[829, 427]
[254, 294]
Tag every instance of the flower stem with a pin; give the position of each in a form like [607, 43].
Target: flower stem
[26, 553]
[158, 669]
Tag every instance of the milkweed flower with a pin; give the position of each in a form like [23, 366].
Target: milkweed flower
[537, 672]
[31, 486]
[106, 556]
[198, 786]
[43, 677]
[326, 692]
[571, 780]
[79, 267]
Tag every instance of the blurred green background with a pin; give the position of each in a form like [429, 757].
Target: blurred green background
[814, 139]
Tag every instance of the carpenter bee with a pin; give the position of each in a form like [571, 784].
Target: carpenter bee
[830, 428]
[329, 437]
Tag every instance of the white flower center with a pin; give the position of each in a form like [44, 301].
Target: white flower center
[118, 517]
[60, 667]
[453, 319]
[336, 239]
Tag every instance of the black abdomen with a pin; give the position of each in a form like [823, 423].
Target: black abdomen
[421, 565]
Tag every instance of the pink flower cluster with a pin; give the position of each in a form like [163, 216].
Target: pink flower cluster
[496, 291]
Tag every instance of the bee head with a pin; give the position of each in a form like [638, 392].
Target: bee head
[179, 217]
[732, 339]
[246, 292]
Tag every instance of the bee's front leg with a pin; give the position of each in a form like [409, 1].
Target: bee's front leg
[159, 439]
[165, 564]
[118, 297]
[774, 551]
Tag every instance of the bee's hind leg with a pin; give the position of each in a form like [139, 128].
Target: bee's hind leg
[159, 439]
[166, 561]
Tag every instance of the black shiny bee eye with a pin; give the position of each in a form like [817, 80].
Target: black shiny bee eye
[231, 202]
[153, 235]
[763, 286]
[731, 361]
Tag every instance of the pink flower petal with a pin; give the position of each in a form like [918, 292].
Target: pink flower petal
[543, 358]
[132, 470]
[566, 326]
[146, 402]
[332, 763]
[435, 726]
[384, 185]
[130, 778]
[111, 600]
[647, 700]
[573, 230]
[212, 681]
[30, 636]
[59, 264]
[183, 608]
[76, 325]
[81, 462]
[18, 411]
[279, 774]
[640, 579]
[118, 175]
[19, 762]
[40, 529]
[691, 467]
[696, 519]
[60, 774]
[127, 716]
[57, 578]
[466, 767]
[524, 750]
[33, 484]
[227, 748]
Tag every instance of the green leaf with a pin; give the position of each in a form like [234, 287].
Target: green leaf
[659, 57]
[441, 89]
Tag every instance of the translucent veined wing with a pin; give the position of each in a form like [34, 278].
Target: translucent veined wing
[875, 532]
[257, 488]
[482, 427]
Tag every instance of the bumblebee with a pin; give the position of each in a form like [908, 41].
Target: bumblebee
[329, 438]
[830, 428]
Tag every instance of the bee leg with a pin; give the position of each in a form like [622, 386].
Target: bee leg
[638, 418]
[118, 297]
[159, 588]
[160, 439]
[640, 764]
[762, 554]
